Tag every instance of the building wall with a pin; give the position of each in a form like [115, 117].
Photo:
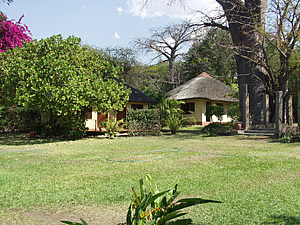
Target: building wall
[200, 111]
[92, 124]
[144, 104]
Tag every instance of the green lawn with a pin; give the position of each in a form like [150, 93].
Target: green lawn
[45, 181]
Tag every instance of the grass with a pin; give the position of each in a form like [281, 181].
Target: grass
[45, 181]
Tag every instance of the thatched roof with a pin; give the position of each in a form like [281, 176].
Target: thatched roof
[205, 87]
[136, 95]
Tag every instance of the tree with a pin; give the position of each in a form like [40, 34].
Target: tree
[59, 77]
[246, 24]
[7, 1]
[167, 43]
[12, 34]
[211, 54]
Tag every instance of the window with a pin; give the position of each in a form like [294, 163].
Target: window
[88, 113]
[137, 106]
[188, 108]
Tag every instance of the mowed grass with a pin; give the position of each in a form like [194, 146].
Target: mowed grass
[45, 181]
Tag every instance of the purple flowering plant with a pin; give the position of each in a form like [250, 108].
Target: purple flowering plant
[12, 34]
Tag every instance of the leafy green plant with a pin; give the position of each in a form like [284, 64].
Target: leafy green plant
[286, 138]
[167, 107]
[154, 207]
[174, 122]
[218, 129]
[215, 110]
[159, 207]
[113, 127]
[234, 111]
[143, 122]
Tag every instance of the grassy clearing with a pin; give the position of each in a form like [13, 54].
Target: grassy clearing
[45, 181]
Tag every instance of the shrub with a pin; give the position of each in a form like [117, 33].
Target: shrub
[143, 122]
[215, 110]
[113, 127]
[174, 122]
[234, 111]
[218, 129]
[190, 120]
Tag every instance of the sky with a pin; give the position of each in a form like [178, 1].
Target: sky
[101, 23]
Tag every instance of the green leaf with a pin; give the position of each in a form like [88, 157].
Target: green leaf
[128, 217]
[184, 203]
[170, 216]
[71, 223]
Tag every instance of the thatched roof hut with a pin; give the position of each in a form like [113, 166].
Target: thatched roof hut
[203, 87]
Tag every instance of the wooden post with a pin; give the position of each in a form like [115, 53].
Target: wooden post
[289, 110]
[246, 114]
[266, 110]
[278, 113]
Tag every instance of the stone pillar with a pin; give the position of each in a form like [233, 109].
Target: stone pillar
[279, 113]
[298, 110]
[266, 110]
[246, 113]
[289, 110]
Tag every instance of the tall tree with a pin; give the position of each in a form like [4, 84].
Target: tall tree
[167, 43]
[59, 78]
[213, 54]
[246, 24]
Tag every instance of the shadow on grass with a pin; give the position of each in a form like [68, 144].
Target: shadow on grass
[24, 139]
[284, 219]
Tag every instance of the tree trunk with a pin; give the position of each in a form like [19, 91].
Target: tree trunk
[243, 18]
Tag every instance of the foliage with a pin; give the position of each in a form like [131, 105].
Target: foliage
[215, 110]
[212, 54]
[174, 122]
[75, 223]
[171, 114]
[113, 127]
[189, 120]
[143, 121]
[155, 207]
[12, 34]
[59, 78]
[168, 107]
[18, 119]
[158, 207]
[218, 129]
[234, 111]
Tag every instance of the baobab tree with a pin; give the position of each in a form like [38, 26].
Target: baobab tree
[246, 20]
[166, 43]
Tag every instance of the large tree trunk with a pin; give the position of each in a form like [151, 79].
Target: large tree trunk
[243, 17]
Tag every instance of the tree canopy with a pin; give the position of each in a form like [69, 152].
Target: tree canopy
[59, 77]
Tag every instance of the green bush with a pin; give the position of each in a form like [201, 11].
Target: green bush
[189, 120]
[113, 127]
[18, 119]
[218, 129]
[143, 122]
[234, 111]
[174, 122]
[215, 110]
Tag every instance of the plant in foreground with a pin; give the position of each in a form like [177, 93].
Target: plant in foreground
[153, 207]
[113, 127]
